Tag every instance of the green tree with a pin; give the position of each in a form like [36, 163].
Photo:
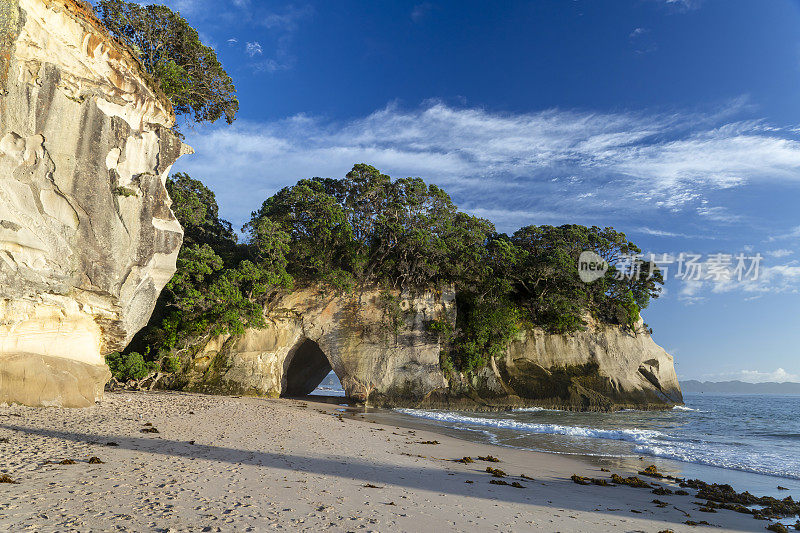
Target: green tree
[368, 229]
[170, 50]
[220, 285]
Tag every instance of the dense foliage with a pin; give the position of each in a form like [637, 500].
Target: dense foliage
[220, 285]
[367, 230]
[170, 50]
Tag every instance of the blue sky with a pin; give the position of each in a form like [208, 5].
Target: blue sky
[677, 122]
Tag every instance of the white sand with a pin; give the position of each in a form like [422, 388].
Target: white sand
[259, 464]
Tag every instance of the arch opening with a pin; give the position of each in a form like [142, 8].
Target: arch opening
[306, 370]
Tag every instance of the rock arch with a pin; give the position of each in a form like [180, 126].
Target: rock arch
[311, 331]
[304, 368]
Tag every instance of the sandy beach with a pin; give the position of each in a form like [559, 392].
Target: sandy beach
[185, 462]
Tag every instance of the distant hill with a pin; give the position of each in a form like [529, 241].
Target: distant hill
[740, 387]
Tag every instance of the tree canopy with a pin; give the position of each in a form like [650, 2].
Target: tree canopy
[367, 228]
[170, 50]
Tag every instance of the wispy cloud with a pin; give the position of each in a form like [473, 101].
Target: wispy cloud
[254, 49]
[645, 230]
[281, 26]
[781, 252]
[708, 277]
[421, 11]
[791, 234]
[286, 19]
[778, 375]
[576, 165]
[642, 41]
[682, 5]
[717, 214]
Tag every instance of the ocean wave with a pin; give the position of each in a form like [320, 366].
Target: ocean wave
[642, 436]
[760, 464]
[654, 443]
[536, 410]
[684, 408]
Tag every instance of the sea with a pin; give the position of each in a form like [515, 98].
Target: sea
[749, 441]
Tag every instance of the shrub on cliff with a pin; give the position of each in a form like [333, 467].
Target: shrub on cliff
[170, 50]
[125, 367]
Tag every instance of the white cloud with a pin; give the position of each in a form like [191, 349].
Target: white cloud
[573, 166]
[780, 252]
[646, 230]
[717, 214]
[253, 49]
[791, 234]
[778, 375]
[761, 279]
[232, 41]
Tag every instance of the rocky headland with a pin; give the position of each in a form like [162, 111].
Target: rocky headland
[312, 331]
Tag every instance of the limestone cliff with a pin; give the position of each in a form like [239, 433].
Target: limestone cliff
[311, 332]
[87, 238]
[602, 368]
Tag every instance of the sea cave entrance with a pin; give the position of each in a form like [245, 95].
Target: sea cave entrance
[305, 369]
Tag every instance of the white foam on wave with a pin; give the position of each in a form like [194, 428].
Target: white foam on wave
[684, 408]
[645, 442]
[710, 456]
[643, 436]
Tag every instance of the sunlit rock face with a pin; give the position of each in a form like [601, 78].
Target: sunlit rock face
[312, 332]
[605, 367]
[87, 238]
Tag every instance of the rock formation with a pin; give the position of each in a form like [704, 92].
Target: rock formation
[602, 368]
[311, 332]
[87, 238]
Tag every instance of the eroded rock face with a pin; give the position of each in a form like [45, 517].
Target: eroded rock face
[312, 332]
[605, 367]
[87, 238]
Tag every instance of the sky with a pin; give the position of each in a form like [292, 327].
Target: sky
[675, 121]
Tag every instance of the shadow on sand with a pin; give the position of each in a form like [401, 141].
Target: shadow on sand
[559, 494]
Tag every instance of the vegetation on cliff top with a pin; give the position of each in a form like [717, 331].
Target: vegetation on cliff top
[368, 230]
[170, 50]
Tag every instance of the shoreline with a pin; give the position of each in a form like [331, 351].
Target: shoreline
[228, 463]
[761, 483]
